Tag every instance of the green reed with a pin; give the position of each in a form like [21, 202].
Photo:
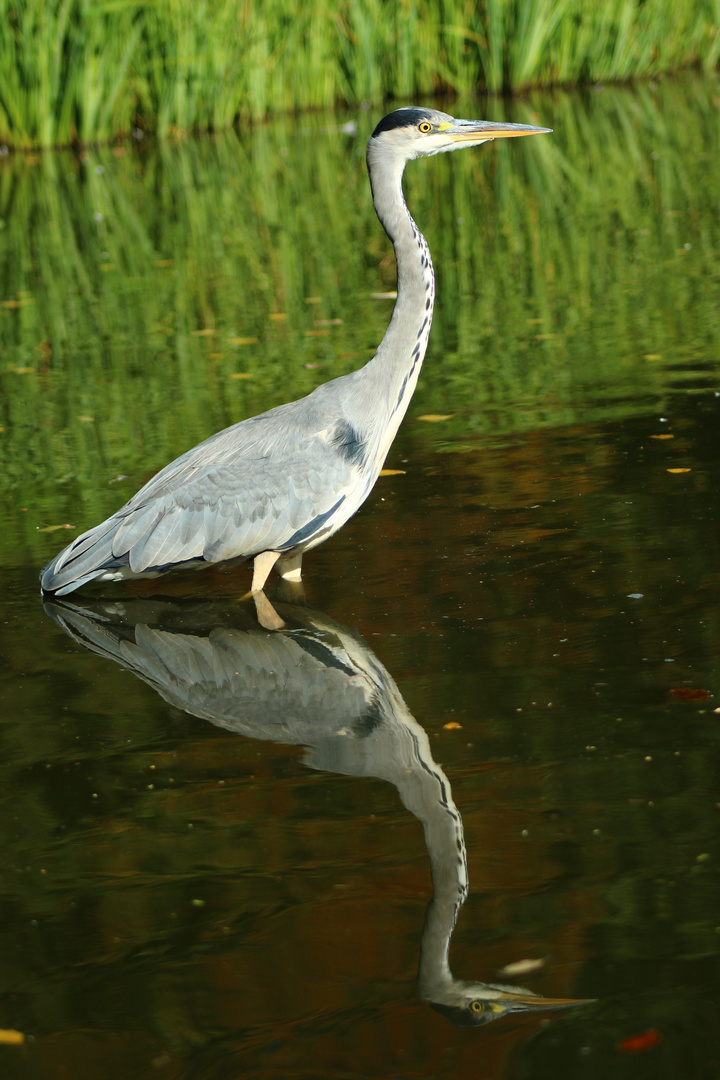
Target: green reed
[79, 70]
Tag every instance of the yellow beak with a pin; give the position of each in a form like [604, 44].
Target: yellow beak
[471, 131]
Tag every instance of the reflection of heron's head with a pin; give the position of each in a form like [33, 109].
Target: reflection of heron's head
[475, 1004]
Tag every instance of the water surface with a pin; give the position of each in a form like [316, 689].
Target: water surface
[536, 589]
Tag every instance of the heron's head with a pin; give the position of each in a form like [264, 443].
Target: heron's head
[474, 1004]
[414, 132]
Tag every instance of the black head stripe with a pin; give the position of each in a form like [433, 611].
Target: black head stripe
[402, 118]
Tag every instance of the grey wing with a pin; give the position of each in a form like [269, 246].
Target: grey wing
[238, 509]
[239, 493]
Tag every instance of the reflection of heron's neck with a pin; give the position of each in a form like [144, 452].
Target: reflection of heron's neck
[425, 791]
[446, 848]
[397, 749]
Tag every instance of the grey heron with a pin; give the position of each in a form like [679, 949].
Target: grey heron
[276, 485]
[315, 684]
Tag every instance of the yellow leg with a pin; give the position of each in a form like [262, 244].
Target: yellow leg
[290, 567]
[262, 565]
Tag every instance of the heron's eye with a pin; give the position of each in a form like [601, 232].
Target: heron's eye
[476, 1006]
[424, 127]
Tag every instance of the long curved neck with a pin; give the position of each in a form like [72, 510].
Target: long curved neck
[396, 365]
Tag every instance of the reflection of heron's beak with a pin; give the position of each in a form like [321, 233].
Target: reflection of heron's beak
[477, 131]
[525, 1001]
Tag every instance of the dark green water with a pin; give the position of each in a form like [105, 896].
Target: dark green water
[241, 891]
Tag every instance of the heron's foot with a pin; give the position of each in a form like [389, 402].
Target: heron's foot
[262, 565]
[266, 613]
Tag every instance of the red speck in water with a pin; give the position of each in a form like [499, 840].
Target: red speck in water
[690, 693]
[635, 1044]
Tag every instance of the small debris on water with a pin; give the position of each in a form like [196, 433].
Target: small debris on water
[521, 968]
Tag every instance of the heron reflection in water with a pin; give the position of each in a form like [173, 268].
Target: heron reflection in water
[314, 684]
[276, 485]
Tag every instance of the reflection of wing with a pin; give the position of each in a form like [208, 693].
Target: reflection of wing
[315, 684]
[299, 686]
[274, 482]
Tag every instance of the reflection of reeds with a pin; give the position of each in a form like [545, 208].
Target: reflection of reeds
[73, 69]
[136, 288]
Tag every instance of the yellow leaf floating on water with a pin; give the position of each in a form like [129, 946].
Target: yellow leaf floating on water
[434, 418]
[662, 436]
[10, 1037]
[678, 470]
[241, 375]
[54, 528]
[242, 341]
[452, 726]
[652, 356]
[392, 472]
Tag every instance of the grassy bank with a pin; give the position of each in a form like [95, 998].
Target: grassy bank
[90, 71]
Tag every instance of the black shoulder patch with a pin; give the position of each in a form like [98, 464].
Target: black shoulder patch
[401, 118]
[369, 721]
[348, 442]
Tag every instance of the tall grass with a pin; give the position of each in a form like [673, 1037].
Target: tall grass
[86, 70]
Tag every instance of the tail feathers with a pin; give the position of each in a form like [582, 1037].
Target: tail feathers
[86, 558]
[151, 540]
[148, 541]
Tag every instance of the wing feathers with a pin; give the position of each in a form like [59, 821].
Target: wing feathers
[267, 484]
[133, 529]
[170, 541]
